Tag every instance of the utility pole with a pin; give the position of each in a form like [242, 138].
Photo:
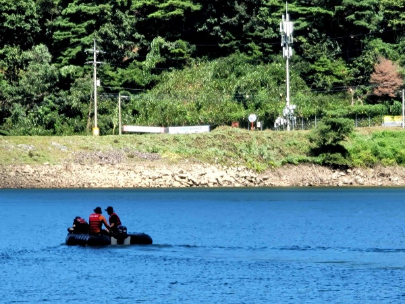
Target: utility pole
[286, 29]
[94, 51]
[119, 112]
[403, 108]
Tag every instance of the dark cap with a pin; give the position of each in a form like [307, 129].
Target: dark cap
[109, 209]
[98, 210]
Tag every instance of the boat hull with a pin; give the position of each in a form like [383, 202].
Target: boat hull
[104, 240]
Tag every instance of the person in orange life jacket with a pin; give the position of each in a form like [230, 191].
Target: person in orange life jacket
[79, 226]
[114, 220]
[96, 221]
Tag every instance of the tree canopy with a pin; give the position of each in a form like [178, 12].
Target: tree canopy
[151, 49]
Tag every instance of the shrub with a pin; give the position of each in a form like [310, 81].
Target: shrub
[326, 139]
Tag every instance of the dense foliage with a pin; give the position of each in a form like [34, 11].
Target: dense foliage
[193, 62]
[327, 138]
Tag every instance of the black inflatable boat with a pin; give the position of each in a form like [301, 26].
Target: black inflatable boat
[122, 238]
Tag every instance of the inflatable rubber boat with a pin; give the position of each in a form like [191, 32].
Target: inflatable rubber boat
[122, 238]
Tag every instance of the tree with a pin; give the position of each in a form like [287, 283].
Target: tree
[119, 36]
[394, 11]
[31, 81]
[327, 140]
[328, 74]
[47, 10]
[39, 78]
[77, 26]
[385, 78]
[175, 22]
[112, 23]
[229, 26]
[171, 20]
[315, 27]
[356, 20]
[363, 15]
[364, 64]
[19, 23]
[12, 61]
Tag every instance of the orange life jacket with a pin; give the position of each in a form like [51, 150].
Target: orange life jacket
[94, 223]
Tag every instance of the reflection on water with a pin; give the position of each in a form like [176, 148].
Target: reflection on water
[210, 246]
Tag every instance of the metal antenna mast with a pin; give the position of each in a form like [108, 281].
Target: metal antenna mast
[286, 29]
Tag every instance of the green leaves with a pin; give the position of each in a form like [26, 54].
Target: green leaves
[166, 9]
[217, 92]
[39, 78]
[19, 23]
[365, 14]
[329, 74]
[394, 11]
[77, 26]
[327, 138]
[229, 52]
[331, 131]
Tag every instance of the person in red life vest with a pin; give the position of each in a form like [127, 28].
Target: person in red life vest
[79, 226]
[96, 221]
[114, 220]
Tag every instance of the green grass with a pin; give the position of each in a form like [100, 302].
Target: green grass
[258, 150]
[386, 147]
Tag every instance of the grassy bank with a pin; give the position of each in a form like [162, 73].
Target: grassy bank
[258, 150]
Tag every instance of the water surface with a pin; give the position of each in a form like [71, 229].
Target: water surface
[257, 245]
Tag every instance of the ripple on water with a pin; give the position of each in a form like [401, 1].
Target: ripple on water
[233, 246]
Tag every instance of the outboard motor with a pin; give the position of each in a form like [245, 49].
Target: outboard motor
[121, 234]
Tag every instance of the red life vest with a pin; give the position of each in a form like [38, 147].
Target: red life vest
[81, 220]
[94, 223]
[80, 225]
[118, 223]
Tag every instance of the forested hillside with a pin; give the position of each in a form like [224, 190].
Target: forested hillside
[183, 62]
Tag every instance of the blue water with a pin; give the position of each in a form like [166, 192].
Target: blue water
[316, 245]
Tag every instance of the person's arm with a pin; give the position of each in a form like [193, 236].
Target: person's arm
[113, 220]
[104, 221]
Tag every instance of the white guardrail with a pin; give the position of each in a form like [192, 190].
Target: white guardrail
[170, 130]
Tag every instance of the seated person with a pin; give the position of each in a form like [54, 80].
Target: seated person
[79, 226]
[114, 220]
[96, 221]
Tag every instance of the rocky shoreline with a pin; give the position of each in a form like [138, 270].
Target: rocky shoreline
[153, 174]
